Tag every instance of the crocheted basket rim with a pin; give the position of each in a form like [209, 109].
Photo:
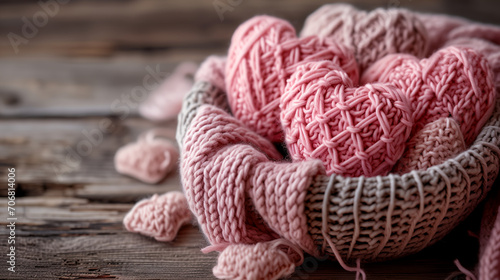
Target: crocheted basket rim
[386, 217]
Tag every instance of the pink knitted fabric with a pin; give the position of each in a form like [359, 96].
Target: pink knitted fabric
[212, 70]
[354, 131]
[160, 216]
[438, 27]
[264, 52]
[237, 194]
[372, 35]
[432, 145]
[489, 239]
[149, 159]
[261, 261]
[165, 102]
[454, 81]
[489, 50]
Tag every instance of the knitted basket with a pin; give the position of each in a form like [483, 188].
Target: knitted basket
[386, 217]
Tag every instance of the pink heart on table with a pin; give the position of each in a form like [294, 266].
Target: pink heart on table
[159, 216]
[263, 260]
[354, 131]
[150, 159]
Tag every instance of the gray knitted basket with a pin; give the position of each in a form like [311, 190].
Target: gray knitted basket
[386, 217]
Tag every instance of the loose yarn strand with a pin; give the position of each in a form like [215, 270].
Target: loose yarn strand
[468, 273]
[326, 202]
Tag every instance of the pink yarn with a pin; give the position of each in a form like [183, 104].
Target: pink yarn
[454, 82]
[438, 27]
[432, 145]
[149, 159]
[264, 52]
[354, 131]
[371, 35]
[212, 70]
[236, 192]
[165, 102]
[489, 50]
[261, 261]
[159, 216]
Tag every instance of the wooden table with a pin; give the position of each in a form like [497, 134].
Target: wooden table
[68, 78]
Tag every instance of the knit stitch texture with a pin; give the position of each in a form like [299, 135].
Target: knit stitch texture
[264, 53]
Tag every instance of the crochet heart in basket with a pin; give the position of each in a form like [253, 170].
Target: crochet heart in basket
[454, 82]
[354, 131]
[372, 35]
[264, 53]
[432, 145]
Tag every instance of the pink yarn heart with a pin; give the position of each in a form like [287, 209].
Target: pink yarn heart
[354, 131]
[432, 145]
[159, 216]
[264, 53]
[371, 35]
[455, 82]
[489, 50]
[165, 102]
[261, 261]
[149, 160]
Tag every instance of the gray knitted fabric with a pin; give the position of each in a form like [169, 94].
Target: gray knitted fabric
[201, 93]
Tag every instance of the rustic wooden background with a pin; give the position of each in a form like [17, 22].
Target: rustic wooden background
[64, 79]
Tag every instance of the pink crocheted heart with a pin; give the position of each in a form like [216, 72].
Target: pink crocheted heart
[149, 160]
[455, 82]
[432, 145]
[354, 131]
[372, 35]
[264, 53]
[264, 260]
[160, 216]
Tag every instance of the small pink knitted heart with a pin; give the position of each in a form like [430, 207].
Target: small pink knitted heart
[264, 260]
[264, 53]
[354, 131]
[454, 81]
[159, 216]
[149, 159]
[432, 145]
[372, 35]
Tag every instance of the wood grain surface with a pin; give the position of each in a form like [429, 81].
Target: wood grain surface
[60, 86]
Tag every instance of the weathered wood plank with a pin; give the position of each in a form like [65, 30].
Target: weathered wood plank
[82, 28]
[63, 238]
[76, 254]
[75, 87]
[120, 256]
[69, 151]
